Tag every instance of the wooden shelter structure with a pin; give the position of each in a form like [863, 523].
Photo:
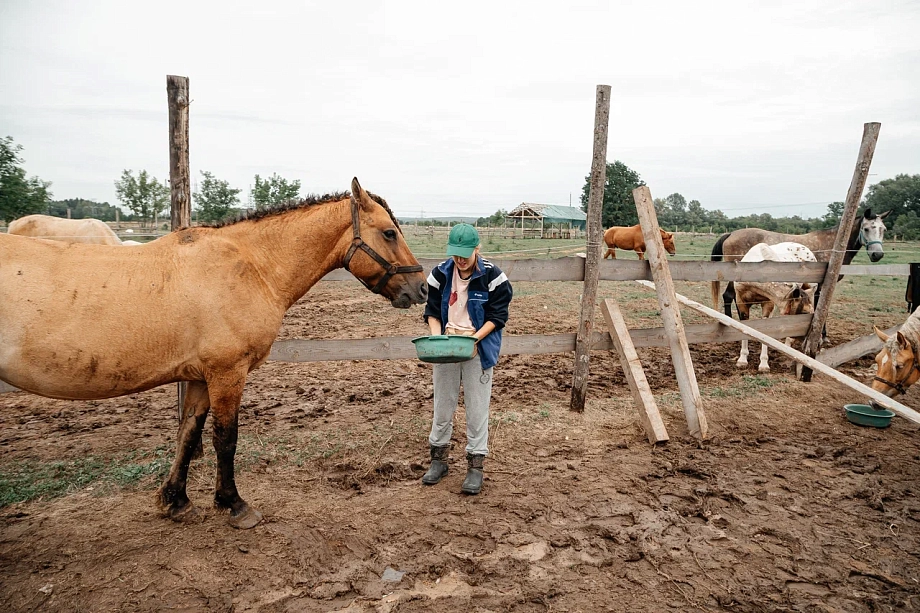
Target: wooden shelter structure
[532, 220]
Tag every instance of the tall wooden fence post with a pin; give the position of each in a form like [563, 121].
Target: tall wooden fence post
[180, 198]
[863, 161]
[670, 314]
[595, 207]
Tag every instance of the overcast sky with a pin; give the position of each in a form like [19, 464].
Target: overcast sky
[464, 108]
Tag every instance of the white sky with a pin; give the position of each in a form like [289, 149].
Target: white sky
[464, 108]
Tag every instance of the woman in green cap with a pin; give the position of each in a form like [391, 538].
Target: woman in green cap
[467, 295]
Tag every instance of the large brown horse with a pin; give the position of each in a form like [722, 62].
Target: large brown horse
[868, 232]
[205, 305]
[630, 238]
[93, 231]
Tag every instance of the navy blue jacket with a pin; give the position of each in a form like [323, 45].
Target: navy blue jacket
[489, 296]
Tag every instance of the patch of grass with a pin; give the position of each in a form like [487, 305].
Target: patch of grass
[30, 480]
[750, 385]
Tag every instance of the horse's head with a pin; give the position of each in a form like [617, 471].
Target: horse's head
[897, 364]
[872, 233]
[379, 256]
[668, 239]
[801, 299]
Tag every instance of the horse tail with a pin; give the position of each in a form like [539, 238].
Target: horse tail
[716, 256]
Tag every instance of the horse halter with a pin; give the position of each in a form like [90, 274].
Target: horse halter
[358, 243]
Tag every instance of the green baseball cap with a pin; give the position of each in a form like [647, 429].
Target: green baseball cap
[463, 240]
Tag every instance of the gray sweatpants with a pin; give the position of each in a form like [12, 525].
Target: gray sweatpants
[477, 392]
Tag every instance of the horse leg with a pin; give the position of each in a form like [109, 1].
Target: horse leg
[728, 297]
[185, 410]
[611, 253]
[641, 253]
[225, 392]
[744, 314]
[172, 496]
[769, 310]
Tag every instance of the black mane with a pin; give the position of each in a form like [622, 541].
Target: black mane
[291, 205]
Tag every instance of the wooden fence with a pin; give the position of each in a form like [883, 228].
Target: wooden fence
[573, 269]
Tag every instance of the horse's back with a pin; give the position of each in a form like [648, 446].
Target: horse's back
[624, 237]
[780, 252]
[93, 231]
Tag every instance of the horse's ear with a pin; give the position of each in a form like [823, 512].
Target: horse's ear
[902, 341]
[358, 192]
[881, 335]
[806, 287]
[868, 214]
[884, 215]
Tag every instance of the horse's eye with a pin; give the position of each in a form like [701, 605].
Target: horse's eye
[390, 235]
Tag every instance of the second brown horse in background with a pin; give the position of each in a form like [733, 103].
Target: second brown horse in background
[630, 239]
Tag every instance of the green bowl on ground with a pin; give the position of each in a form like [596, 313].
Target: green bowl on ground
[444, 349]
[864, 415]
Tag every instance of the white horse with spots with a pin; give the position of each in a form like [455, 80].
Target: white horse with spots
[87, 230]
[774, 298]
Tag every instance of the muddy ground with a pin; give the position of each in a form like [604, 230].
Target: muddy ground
[788, 507]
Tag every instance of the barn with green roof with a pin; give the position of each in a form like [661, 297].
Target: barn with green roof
[547, 220]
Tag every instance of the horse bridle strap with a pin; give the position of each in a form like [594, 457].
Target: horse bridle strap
[358, 243]
[900, 384]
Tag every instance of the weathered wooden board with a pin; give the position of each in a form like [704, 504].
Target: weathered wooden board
[573, 269]
[635, 375]
[855, 349]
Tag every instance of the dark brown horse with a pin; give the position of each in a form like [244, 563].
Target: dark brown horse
[868, 232]
[204, 304]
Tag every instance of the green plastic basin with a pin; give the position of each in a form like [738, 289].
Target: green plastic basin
[442, 349]
[864, 415]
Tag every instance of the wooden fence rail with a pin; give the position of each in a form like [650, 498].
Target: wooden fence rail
[573, 269]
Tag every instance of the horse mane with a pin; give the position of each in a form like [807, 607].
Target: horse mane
[292, 205]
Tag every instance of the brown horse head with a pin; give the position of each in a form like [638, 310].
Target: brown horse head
[800, 300]
[379, 256]
[897, 364]
[668, 239]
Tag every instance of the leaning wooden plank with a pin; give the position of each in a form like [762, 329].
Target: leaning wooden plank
[670, 314]
[855, 349]
[904, 411]
[635, 376]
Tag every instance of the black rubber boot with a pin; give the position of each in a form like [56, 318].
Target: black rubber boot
[438, 467]
[473, 482]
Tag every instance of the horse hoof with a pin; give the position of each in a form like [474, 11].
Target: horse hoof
[245, 519]
[741, 364]
[763, 369]
[187, 514]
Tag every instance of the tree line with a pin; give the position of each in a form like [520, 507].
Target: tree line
[147, 198]
[900, 195]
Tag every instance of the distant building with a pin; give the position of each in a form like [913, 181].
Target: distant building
[532, 220]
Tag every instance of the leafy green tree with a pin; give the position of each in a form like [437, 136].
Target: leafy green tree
[619, 207]
[908, 226]
[898, 195]
[215, 199]
[273, 190]
[80, 208]
[833, 215]
[19, 195]
[144, 196]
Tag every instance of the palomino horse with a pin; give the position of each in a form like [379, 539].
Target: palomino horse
[205, 305]
[897, 362]
[630, 238]
[773, 297]
[67, 230]
[868, 232]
